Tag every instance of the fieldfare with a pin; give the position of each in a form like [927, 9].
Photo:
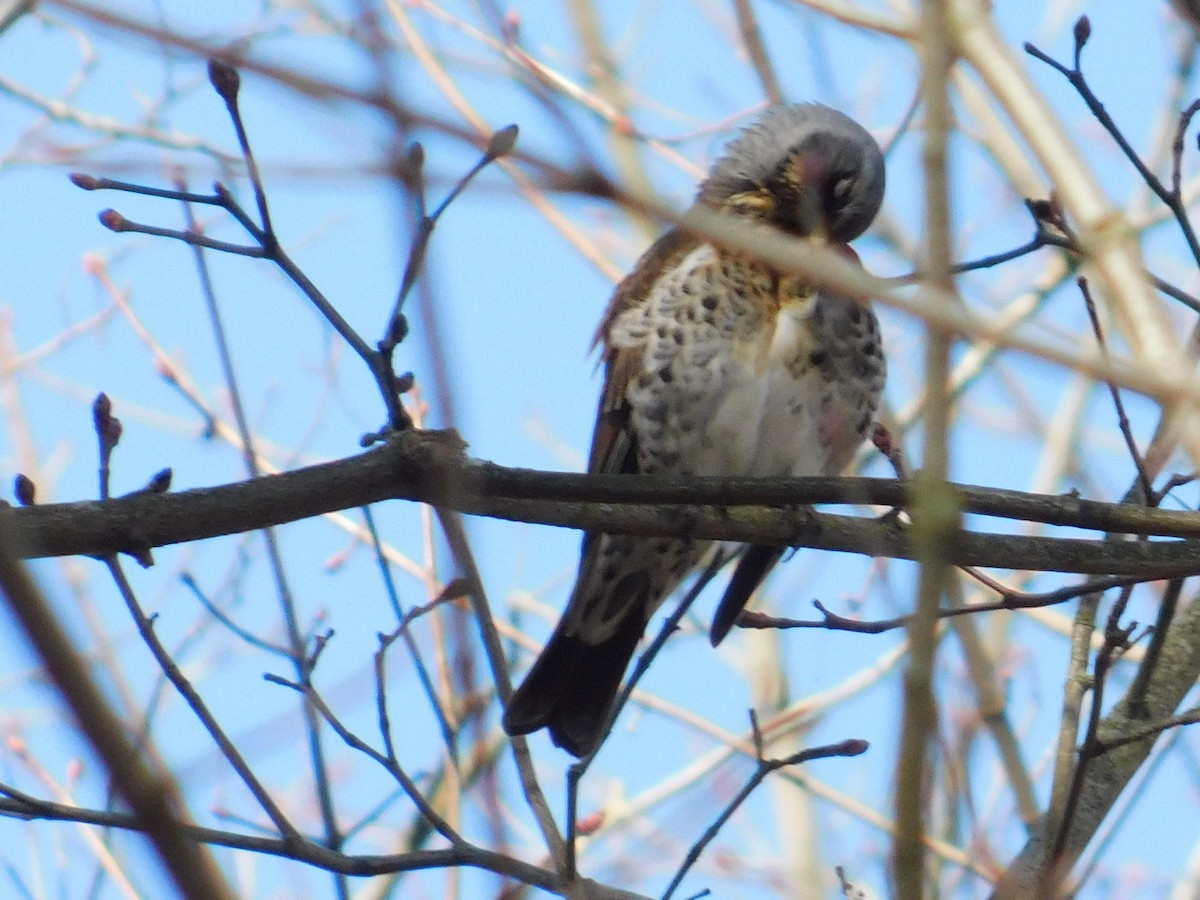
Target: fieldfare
[716, 364]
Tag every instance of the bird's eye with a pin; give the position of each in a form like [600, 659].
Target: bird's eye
[840, 191]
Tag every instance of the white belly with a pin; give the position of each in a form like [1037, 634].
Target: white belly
[743, 373]
[767, 422]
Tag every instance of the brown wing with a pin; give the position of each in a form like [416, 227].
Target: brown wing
[614, 447]
[571, 687]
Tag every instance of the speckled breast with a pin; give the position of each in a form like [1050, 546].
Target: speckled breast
[747, 372]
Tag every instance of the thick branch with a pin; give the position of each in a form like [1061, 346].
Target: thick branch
[429, 467]
[1108, 774]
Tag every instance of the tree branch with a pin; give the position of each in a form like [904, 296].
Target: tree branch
[429, 467]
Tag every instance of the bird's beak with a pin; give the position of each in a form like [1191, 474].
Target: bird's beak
[809, 173]
[810, 212]
[845, 250]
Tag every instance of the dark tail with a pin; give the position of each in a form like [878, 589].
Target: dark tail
[572, 685]
[751, 569]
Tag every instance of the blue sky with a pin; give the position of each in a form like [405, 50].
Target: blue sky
[517, 306]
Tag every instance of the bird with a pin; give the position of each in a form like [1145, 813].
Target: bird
[716, 364]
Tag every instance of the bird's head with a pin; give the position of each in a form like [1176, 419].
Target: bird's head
[807, 169]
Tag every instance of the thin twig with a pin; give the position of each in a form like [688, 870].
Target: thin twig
[1013, 600]
[1167, 605]
[670, 625]
[1122, 418]
[171, 670]
[765, 767]
[1116, 639]
[1172, 196]
[254, 640]
[386, 760]
[410, 643]
[460, 548]
[224, 79]
[303, 851]
[752, 42]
